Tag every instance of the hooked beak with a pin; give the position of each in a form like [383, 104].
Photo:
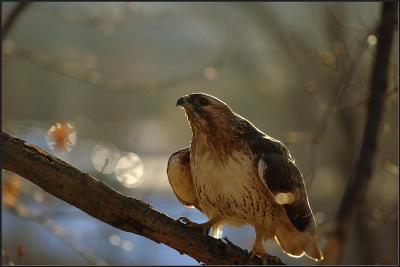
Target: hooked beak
[183, 101]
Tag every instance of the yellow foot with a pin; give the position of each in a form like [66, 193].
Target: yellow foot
[203, 227]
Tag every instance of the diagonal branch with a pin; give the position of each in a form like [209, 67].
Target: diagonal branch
[109, 206]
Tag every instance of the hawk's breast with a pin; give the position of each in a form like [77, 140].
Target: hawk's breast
[229, 187]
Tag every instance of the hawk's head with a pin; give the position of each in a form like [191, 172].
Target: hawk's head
[214, 121]
[205, 111]
[201, 103]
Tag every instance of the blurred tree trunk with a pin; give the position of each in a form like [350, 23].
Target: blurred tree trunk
[356, 188]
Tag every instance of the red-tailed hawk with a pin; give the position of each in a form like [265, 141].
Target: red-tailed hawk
[236, 174]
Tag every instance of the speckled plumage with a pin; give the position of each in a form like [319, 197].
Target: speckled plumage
[233, 173]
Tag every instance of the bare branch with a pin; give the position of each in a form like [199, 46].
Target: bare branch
[12, 18]
[109, 206]
[90, 76]
[359, 103]
[343, 85]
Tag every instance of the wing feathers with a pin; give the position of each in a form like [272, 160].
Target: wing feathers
[282, 177]
[180, 178]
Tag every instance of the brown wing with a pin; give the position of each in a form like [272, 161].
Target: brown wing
[180, 178]
[281, 175]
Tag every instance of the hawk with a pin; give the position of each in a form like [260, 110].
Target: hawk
[236, 174]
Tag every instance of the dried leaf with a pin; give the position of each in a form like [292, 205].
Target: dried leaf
[11, 190]
[327, 58]
[61, 136]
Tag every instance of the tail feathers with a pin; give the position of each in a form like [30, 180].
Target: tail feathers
[310, 246]
[216, 230]
[296, 243]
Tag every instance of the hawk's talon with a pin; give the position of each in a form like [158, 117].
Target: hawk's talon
[203, 227]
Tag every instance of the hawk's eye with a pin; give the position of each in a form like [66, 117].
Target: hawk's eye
[203, 102]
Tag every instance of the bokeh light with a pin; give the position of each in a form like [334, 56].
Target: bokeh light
[210, 73]
[104, 157]
[127, 245]
[115, 240]
[39, 196]
[372, 40]
[129, 170]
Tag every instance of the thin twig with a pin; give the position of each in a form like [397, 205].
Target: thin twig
[24, 212]
[359, 103]
[98, 81]
[343, 85]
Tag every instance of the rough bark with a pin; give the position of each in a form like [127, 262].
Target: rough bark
[109, 206]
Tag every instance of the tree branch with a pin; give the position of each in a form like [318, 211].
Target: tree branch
[88, 75]
[343, 85]
[109, 206]
[357, 188]
[12, 18]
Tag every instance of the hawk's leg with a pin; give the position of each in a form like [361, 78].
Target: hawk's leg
[259, 250]
[203, 227]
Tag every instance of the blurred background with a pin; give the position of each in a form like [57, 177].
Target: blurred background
[96, 85]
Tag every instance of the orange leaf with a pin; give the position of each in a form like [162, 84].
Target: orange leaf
[11, 190]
